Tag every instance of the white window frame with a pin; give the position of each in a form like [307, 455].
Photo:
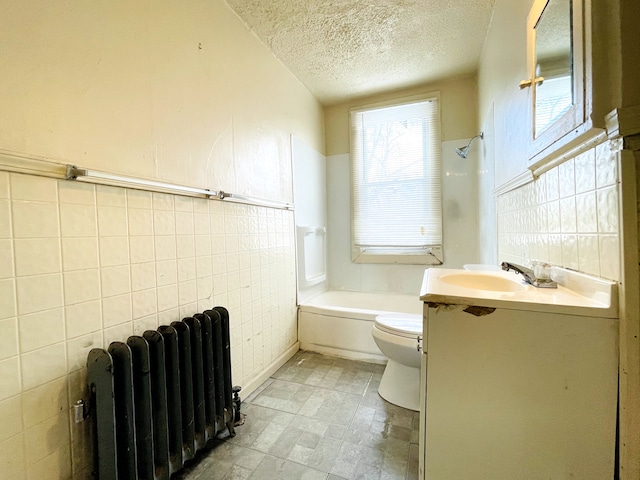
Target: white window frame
[431, 254]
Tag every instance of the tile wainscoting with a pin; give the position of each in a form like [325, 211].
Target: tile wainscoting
[569, 216]
[84, 265]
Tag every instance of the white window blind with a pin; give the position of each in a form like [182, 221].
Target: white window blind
[396, 179]
[553, 99]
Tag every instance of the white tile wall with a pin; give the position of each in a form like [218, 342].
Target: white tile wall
[7, 298]
[568, 216]
[11, 417]
[84, 265]
[41, 329]
[5, 219]
[9, 338]
[12, 457]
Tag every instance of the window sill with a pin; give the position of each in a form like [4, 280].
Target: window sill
[435, 257]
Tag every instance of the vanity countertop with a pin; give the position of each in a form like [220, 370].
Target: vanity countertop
[577, 293]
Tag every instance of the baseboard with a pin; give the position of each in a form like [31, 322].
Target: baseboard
[262, 377]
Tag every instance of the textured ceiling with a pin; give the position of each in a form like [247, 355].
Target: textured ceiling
[342, 49]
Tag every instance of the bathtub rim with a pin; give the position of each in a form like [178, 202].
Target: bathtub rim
[312, 305]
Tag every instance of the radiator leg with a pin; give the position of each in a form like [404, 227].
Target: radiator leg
[230, 423]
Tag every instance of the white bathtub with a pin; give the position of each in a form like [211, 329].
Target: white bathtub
[339, 322]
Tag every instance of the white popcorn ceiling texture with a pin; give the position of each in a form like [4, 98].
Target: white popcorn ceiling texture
[343, 49]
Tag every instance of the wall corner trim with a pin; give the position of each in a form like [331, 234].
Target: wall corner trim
[623, 122]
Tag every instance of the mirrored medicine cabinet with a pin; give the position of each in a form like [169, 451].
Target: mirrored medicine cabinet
[559, 87]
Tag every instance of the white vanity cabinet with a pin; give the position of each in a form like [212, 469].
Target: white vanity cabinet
[516, 393]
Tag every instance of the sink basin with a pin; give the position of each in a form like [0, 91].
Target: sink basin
[577, 293]
[482, 281]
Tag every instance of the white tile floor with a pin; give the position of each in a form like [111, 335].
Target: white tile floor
[318, 417]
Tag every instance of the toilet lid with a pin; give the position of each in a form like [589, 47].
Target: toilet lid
[405, 324]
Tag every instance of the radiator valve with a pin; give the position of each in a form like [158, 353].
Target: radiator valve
[237, 401]
[78, 411]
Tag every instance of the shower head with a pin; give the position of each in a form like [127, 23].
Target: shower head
[464, 151]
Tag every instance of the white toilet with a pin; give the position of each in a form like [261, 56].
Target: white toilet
[396, 335]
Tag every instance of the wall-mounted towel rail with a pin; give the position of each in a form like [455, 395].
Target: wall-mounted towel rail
[104, 178]
[237, 198]
[18, 163]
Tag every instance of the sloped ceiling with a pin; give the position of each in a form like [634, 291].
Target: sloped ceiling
[343, 49]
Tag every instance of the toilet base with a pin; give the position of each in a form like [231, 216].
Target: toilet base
[400, 385]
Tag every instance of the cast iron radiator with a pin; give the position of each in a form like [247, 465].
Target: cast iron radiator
[158, 398]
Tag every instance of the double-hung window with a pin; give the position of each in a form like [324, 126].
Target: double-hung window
[396, 182]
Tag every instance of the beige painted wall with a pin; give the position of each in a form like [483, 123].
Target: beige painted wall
[630, 18]
[178, 92]
[152, 89]
[500, 102]
[458, 108]
[616, 57]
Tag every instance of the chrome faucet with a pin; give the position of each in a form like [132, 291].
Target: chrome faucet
[529, 275]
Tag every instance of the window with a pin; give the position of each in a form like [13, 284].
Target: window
[396, 183]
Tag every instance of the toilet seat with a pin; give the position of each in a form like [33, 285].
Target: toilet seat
[402, 324]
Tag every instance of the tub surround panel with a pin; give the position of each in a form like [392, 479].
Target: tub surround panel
[310, 192]
[121, 263]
